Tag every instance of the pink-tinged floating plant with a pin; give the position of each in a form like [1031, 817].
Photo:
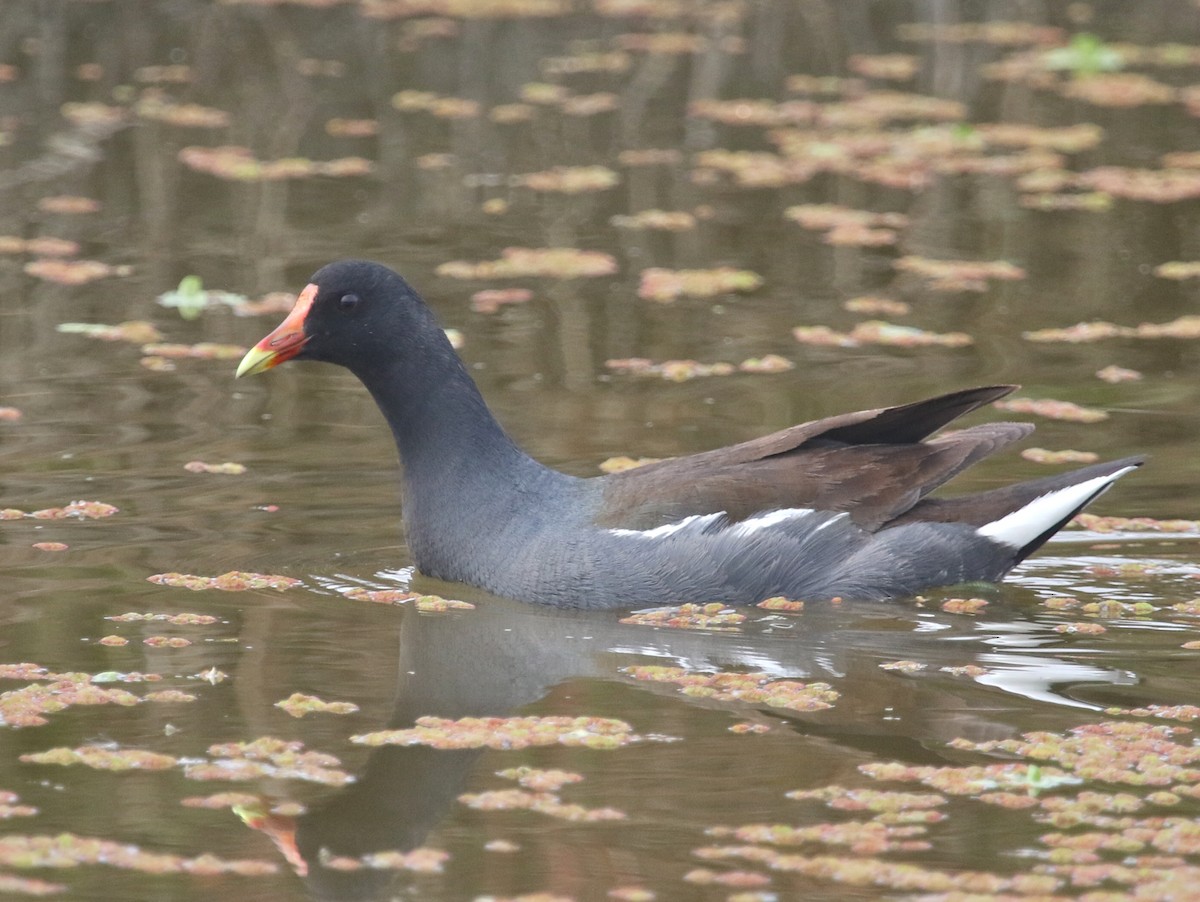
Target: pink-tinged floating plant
[964, 605]
[748, 727]
[844, 798]
[968, 670]
[113, 641]
[103, 758]
[1181, 159]
[465, 9]
[176, 619]
[507, 733]
[1111, 609]
[76, 510]
[1078, 333]
[667, 285]
[271, 758]
[781, 604]
[1186, 326]
[271, 303]
[219, 800]
[657, 220]
[621, 463]
[511, 113]
[9, 414]
[235, 163]
[582, 105]
[1113, 374]
[1184, 713]
[612, 61]
[68, 205]
[29, 886]
[1066, 139]
[540, 93]
[321, 68]
[768, 363]
[1048, 202]
[751, 688]
[542, 802]
[996, 32]
[1096, 523]
[671, 370]
[861, 837]
[72, 272]
[501, 845]
[834, 218]
[490, 300]
[1118, 89]
[522, 262]
[168, 696]
[166, 642]
[1160, 186]
[299, 705]
[418, 861]
[50, 546]
[1054, 410]
[135, 331]
[352, 128]
[540, 780]
[877, 332]
[959, 275]
[1124, 570]
[712, 616]
[1178, 270]
[571, 179]
[1045, 456]
[156, 106]
[68, 850]
[97, 114]
[733, 879]
[758, 113]
[1119, 752]
[46, 246]
[426, 604]
[204, 350]
[27, 706]
[233, 581]
[885, 66]
[226, 469]
[905, 667]
[876, 306]
[9, 807]
[752, 169]
[1081, 628]
[632, 894]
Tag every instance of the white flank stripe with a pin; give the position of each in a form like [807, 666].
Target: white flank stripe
[697, 522]
[1025, 524]
[659, 532]
[767, 520]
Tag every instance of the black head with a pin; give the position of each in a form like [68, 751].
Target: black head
[354, 313]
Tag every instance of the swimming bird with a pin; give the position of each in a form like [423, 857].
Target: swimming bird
[838, 507]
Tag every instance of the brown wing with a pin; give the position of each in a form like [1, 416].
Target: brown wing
[871, 463]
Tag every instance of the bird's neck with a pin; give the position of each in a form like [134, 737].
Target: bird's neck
[440, 422]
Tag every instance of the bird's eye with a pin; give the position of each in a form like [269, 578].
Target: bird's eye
[347, 302]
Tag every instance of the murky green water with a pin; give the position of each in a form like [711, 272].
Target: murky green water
[443, 177]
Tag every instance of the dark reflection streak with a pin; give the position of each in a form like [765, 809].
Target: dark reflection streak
[502, 657]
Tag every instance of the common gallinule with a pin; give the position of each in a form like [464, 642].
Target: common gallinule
[835, 507]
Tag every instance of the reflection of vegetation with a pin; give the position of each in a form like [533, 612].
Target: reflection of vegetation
[1086, 55]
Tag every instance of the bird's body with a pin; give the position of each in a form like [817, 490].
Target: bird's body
[835, 507]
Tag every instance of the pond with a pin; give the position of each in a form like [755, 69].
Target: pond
[655, 227]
